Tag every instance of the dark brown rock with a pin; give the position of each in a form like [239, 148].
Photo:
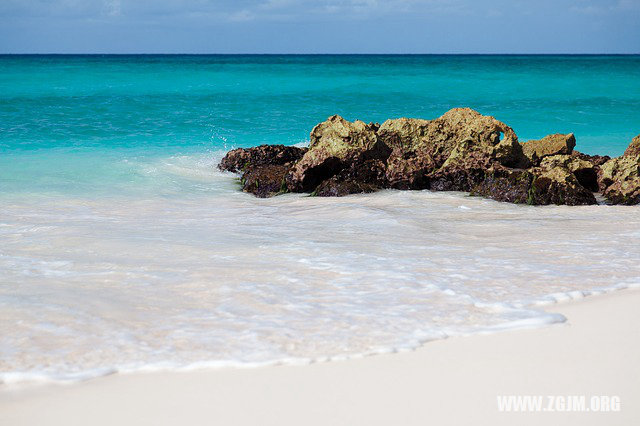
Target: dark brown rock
[504, 184]
[263, 167]
[265, 181]
[360, 177]
[337, 187]
[551, 183]
[239, 159]
[456, 179]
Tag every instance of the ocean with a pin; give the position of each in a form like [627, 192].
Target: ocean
[124, 249]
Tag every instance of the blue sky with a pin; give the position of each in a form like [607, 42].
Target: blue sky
[320, 26]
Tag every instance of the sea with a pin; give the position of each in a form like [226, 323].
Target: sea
[124, 249]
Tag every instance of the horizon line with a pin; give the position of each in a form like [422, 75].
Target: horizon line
[319, 54]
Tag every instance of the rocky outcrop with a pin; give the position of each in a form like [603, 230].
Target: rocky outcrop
[596, 160]
[557, 144]
[238, 160]
[412, 154]
[633, 150]
[459, 151]
[360, 177]
[336, 144]
[557, 184]
[265, 181]
[553, 182]
[585, 171]
[263, 167]
[339, 187]
[505, 184]
[448, 153]
[620, 177]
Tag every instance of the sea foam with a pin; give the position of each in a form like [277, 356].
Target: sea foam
[201, 275]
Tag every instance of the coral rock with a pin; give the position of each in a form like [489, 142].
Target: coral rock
[335, 145]
[620, 180]
[633, 150]
[447, 153]
[558, 144]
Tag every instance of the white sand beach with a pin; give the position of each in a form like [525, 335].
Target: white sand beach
[454, 381]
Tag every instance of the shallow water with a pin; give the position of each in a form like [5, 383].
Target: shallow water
[124, 249]
[96, 285]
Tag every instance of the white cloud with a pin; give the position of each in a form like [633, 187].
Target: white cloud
[594, 7]
[243, 15]
[625, 5]
[112, 7]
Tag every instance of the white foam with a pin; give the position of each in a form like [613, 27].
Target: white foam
[204, 276]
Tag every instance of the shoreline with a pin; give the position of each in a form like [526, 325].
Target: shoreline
[454, 380]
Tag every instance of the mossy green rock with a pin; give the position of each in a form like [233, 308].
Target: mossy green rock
[633, 150]
[335, 144]
[620, 177]
[557, 144]
[424, 151]
[586, 172]
[558, 185]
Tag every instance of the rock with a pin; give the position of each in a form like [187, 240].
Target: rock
[633, 150]
[554, 183]
[585, 171]
[337, 187]
[448, 153]
[558, 144]
[265, 181]
[551, 183]
[336, 144]
[263, 167]
[413, 155]
[505, 184]
[620, 178]
[460, 179]
[360, 177]
[459, 151]
[239, 159]
[596, 160]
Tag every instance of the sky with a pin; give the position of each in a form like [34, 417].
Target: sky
[319, 26]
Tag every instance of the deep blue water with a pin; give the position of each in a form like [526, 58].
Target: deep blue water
[69, 121]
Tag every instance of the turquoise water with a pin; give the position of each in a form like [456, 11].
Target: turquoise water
[93, 124]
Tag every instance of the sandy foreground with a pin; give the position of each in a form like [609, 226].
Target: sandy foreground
[454, 381]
